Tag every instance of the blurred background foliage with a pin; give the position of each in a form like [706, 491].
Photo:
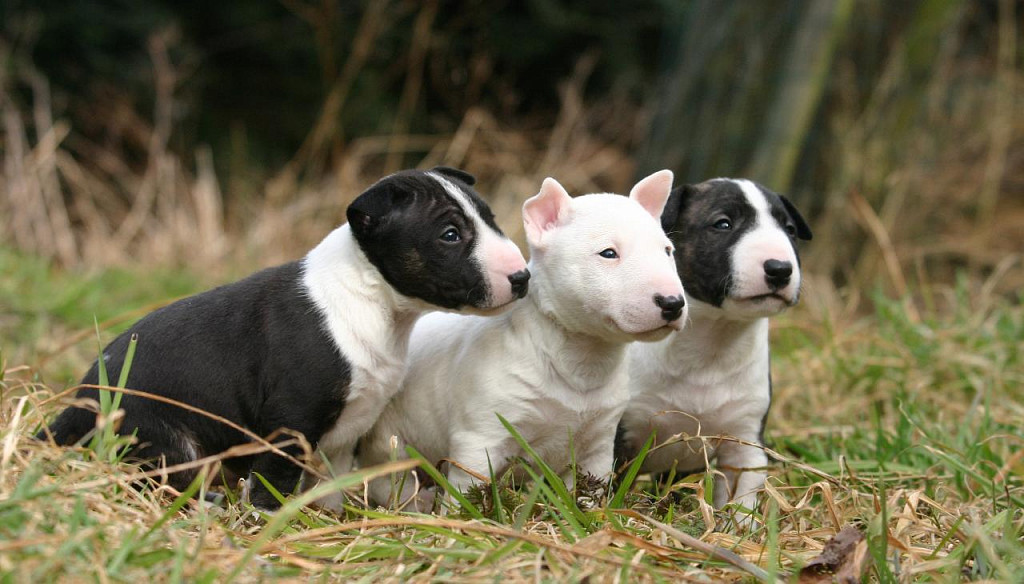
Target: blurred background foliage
[180, 132]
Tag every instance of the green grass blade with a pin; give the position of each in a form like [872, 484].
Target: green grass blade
[177, 504]
[309, 523]
[528, 505]
[122, 379]
[567, 508]
[442, 481]
[132, 543]
[293, 506]
[278, 496]
[630, 477]
[554, 481]
[101, 368]
[499, 511]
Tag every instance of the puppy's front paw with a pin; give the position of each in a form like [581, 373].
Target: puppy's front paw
[333, 502]
[423, 500]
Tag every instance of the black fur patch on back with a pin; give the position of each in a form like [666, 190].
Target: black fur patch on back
[399, 222]
[254, 352]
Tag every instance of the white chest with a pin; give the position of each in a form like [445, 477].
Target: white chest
[698, 390]
[370, 327]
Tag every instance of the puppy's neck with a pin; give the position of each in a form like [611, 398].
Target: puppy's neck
[712, 342]
[361, 310]
[582, 360]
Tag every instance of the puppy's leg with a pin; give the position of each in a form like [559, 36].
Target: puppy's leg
[161, 446]
[597, 460]
[362, 409]
[479, 454]
[338, 444]
[739, 484]
[378, 447]
[279, 471]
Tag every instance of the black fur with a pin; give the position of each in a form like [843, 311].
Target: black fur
[381, 224]
[703, 251]
[803, 231]
[456, 174]
[256, 352]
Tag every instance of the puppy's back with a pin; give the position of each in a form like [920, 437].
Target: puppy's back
[234, 332]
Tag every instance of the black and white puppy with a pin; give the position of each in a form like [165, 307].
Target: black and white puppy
[555, 364]
[318, 345]
[737, 256]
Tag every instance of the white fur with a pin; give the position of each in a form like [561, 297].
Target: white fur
[710, 381]
[554, 365]
[370, 325]
[713, 379]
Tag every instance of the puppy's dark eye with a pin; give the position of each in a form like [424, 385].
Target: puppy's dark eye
[722, 225]
[451, 235]
[791, 229]
[608, 254]
[668, 251]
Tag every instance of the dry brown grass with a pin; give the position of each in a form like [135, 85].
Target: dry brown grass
[907, 426]
[902, 417]
[83, 205]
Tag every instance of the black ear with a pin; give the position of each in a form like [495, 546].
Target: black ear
[455, 173]
[674, 206]
[366, 213]
[360, 222]
[802, 230]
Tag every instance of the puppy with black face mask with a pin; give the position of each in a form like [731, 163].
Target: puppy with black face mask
[736, 252]
[318, 345]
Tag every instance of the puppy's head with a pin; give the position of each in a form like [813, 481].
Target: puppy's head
[736, 246]
[432, 237]
[603, 265]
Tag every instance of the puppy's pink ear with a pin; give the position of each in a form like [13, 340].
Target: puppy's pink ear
[653, 191]
[545, 210]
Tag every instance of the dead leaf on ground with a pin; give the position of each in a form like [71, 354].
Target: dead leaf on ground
[594, 542]
[844, 559]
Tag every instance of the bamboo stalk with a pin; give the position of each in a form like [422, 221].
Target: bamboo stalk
[804, 77]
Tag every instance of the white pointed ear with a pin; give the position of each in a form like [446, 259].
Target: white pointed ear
[653, 191]
[545, 210]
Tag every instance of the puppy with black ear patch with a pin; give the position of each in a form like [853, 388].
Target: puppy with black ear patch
[318, 345]
[736, 253]
[554, 365]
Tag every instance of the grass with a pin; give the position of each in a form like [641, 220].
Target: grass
[906, 423]
[47, 314]
[901, 415]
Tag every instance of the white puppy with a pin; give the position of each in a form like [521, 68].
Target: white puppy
[736, 251]
[554, 365]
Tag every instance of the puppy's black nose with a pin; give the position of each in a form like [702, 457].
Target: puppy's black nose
[671, 306]
[520, 282]
[777, 273]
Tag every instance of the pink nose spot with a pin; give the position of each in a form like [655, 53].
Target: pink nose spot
[510, 258]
